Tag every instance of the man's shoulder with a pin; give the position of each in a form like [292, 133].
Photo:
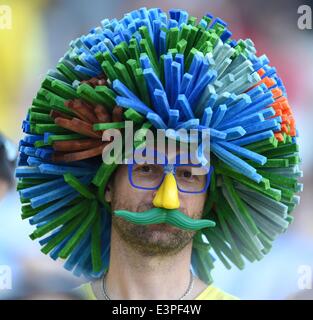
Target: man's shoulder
[85, 291]
[214, 293]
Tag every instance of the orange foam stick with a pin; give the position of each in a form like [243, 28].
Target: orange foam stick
[83, 111]
[261, 72]
[76, 156]
[78, 126]
[279, 136]
[276, 93]
[269, 82]
[76, 145]
[117, 114]
[56, 114]
[102, 114]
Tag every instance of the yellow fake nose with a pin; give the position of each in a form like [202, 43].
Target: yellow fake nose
[167, 195]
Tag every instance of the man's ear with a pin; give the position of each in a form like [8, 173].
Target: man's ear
[108, 192]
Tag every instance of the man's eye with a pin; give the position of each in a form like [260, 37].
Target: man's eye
[145, 168]
[187, 174]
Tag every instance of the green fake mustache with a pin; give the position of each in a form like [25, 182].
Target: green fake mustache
[170, 216]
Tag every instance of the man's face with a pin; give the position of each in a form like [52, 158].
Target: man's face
[155, 239]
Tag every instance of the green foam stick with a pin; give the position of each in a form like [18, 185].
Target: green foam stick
[40, 117]
[64, 232]
[62, 219]
[133, 115]
[65, 137]
[64, 90]
[78, 186]
[69, 74]
[96, 245]
[89, 94]
[109, 71]
[124, 76]
[107, 95]
[120, 52]
[240, 205]
[142, 86]
[110, 125]
[79, 234]
[172, 38]
[39, 128]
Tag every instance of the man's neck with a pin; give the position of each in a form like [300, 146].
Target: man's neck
[132, 275]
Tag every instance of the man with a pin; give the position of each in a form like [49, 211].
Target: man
[139, 233]
[153, 261]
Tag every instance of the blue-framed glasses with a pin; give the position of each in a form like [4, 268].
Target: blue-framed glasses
[190, 178]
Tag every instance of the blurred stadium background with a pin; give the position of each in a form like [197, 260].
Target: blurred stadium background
[40, 33]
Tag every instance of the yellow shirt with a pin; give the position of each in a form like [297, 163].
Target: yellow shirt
[210, 293]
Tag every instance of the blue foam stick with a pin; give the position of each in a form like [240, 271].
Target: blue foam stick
[173, 118]
[207, 103]
[218, 115]
[254, 138]
[53, 208]
[226, 35]
[204, 68]
[131, 103]
[156, 120]
[189, 124]
[54, 233]
[152, 80]
[33, 161]
[183, 105]
[73, 259]
[162, 43]
[51, 196]
[144, 61]
[30, 151]
[44, 153]
[243, 152]
[268, 112]
[123, 91]
[54, 254]
[26, 171]
[87, 71]
[60, 170]
[228, 99]
[193, 70]
[186, 81]
[235, 133]
[237, 108]
[179, 58]
[168, 59]
[257, 90]
[198, 89]
[41, 188]
[45, 219]
[176, 79]
[249, 119]
[235, 162]
[206, 117]
[262, 126]
[162, 105]
[216, 134]
[31, 138]
[156, 34]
